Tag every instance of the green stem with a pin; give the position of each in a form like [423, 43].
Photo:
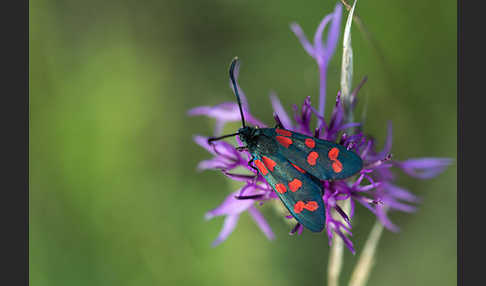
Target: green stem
[336, 252]
[361, 272]
[336, 255]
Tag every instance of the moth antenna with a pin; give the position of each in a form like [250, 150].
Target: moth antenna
[235, 88]
[211, 139]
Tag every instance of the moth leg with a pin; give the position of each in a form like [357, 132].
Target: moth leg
[295, 229]
[249, 197]
[342, 213]
[239, 176]
[250, 165]
[216, 151]
[242, 148]
[255, 179]
[278, 123]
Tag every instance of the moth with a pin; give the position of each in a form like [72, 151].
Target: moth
[294, 164]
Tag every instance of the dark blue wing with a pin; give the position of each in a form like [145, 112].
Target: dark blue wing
[323, 159]
[299, 193]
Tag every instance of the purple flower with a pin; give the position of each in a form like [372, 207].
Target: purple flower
[372, 187]
[322, 53]
[232, 208]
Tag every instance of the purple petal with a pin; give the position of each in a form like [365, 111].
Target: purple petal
[348, 125]
[356, 90]
[228, 227]
[319, 51]
[391, 203]
[222, 149]
[336, 119]
[322, 122]
[364, 201]
[324, 53]
[347, 242]
[400, 193]
[336, 227]
[248, 187]
[365, 151]
[333, 34]
[306, 112]
[303, 39]
[303, 120]
[230, 206]
[358, 181]
[261, 222]
[227, 111]
[368, 187]
[203, 142]
[218, 127]
[322, 91]
[385, 221]
[424, 168]
[214, 163]
[282, 114]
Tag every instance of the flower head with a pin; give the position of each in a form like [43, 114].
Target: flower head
[373, 187]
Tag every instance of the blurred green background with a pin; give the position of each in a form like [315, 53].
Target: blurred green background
[114, 195]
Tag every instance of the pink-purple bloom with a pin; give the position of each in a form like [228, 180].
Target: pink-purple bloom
[372, 187]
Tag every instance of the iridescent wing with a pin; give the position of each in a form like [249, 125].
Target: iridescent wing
[323, 159]
[300, 193]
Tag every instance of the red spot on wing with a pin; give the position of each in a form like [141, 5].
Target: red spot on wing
[286, 142]
[283, 132]
[299, 207]
[337, 166]
[295, 185]
[312, 157]
[269, 163]
[310, 143]
[280, 188]
[310, 206]
[333, 153]
[298, 168]
[261, 167]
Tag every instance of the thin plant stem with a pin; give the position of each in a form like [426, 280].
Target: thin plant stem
[366, 261]
[336, 255]
[376, 47]
[367, 35]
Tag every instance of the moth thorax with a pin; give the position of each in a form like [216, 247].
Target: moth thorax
[246, 134]
[266, 145]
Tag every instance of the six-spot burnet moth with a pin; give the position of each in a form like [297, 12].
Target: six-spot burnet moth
[293, 164]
